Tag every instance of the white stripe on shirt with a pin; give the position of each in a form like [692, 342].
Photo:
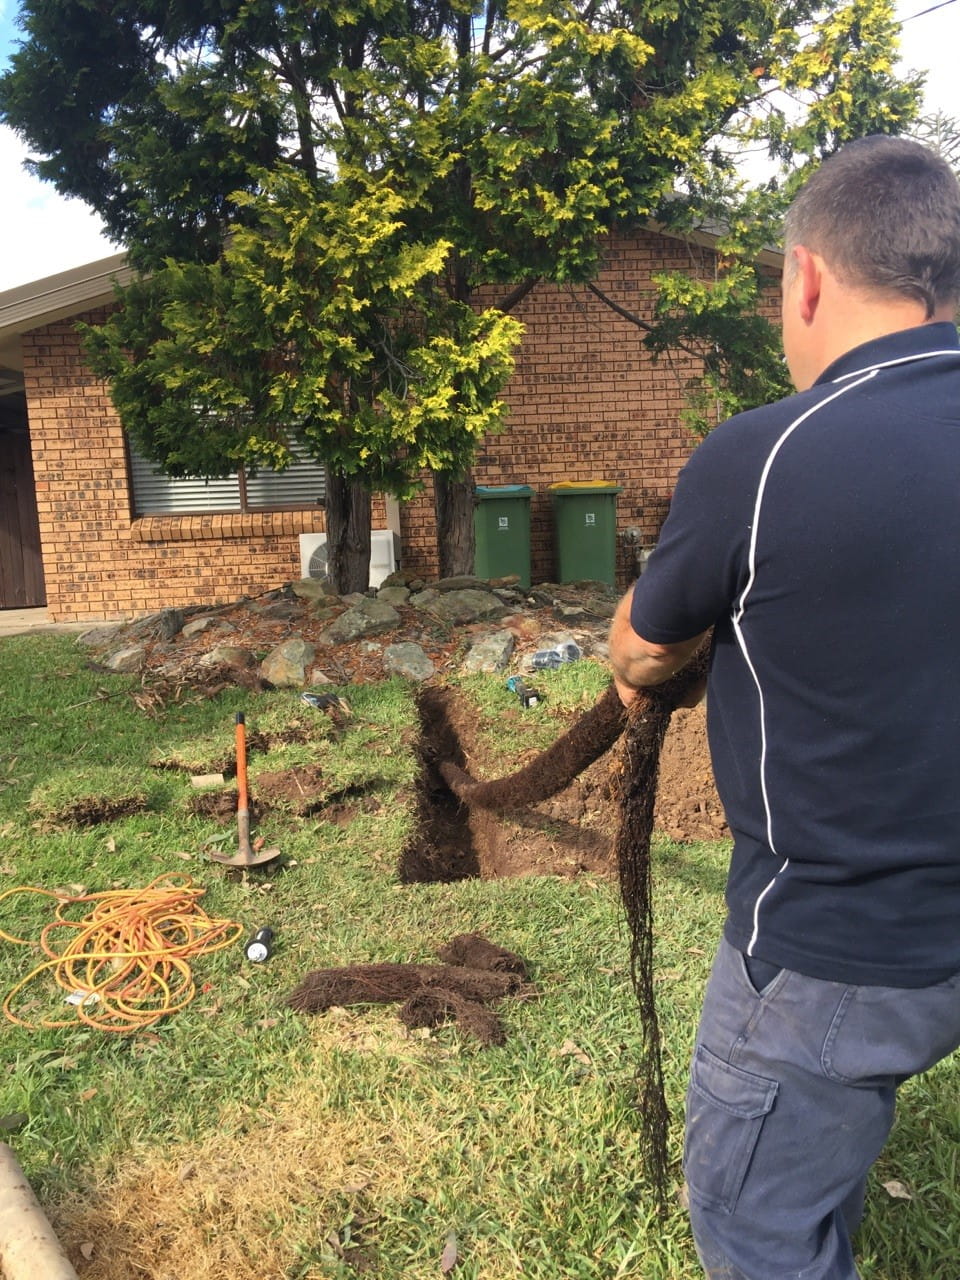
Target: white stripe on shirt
[741, 639]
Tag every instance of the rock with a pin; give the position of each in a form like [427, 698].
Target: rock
[286, 666]
[312, 589]
[523, 626]
[228, 655]
[552, 639]
[460, 583]
[407, 660]
[199, 625]
[571, 612]
[424, 599]
[97, 637]
[281, 611]
[394, 595]
[468, 605]
[588, 587]
[317, 676]
[492, 653]
[129, 659]
[367, 617]
[600, 606]
[321, 610]
[157, 626]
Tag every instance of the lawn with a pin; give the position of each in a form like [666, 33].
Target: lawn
[236, 1139]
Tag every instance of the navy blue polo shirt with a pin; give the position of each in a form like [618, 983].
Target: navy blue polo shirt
[820, 536]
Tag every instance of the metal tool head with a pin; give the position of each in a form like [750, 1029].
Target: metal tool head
[246, 859]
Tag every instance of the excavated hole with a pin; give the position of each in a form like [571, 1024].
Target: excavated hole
[565, 836]
[443, 847]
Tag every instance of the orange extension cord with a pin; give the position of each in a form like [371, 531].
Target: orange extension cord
[128, 964]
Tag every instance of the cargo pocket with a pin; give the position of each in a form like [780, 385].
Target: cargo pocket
[725, 1110]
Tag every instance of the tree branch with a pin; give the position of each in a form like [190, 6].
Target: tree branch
[517, 295]
[634, 319]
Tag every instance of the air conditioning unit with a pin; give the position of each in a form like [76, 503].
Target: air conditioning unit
[384, 555]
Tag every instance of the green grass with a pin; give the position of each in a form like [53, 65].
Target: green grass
[508, 727]
[246, 1140]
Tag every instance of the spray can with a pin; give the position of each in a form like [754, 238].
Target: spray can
[528, 697]
[259, 947]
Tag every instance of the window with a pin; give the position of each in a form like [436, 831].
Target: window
[303, 484]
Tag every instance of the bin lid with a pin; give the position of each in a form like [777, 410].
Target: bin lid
[503, 491]
[584, 486]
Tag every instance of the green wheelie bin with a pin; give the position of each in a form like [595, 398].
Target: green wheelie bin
[501, 524]
[585, 528]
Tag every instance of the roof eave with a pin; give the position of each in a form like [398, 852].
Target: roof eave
[57, 297]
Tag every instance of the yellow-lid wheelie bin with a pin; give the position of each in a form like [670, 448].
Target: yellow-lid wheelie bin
[585, 529]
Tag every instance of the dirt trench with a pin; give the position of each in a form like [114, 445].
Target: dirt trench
[568, 835]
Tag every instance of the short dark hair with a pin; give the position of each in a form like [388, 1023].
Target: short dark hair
[884, 214]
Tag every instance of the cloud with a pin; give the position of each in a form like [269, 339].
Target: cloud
[43, 232]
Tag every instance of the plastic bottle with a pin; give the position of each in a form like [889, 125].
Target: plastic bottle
[555, 657]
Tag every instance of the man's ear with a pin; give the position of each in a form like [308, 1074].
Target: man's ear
[809, 281]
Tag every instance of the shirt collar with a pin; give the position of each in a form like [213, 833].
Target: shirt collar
[894, 348]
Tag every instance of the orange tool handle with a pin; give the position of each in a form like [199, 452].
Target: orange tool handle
[243, 801]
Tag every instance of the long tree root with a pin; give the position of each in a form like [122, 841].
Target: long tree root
[554, 769]
[594, 733]
[647, 725]
[432, 1006]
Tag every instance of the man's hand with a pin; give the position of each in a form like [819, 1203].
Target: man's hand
[638, 663]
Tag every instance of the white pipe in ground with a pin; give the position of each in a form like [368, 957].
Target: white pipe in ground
[29, 1249]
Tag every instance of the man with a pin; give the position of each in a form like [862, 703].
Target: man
[820, 538]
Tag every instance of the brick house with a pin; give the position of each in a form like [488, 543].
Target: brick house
[85, 530]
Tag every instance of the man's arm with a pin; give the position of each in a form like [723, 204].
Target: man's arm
[638, 663]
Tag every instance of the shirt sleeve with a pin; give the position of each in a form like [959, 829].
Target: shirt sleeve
[699, 566]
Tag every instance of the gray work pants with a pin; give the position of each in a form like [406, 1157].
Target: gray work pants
[791, 1098]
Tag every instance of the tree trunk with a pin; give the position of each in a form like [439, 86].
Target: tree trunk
[454, 505]
[348, 534]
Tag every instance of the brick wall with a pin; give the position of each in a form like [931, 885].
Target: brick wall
[100, 562]
[586, 402]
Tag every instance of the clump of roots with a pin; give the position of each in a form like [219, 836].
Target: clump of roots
[430, 994]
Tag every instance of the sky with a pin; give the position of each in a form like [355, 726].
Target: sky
[45, 233]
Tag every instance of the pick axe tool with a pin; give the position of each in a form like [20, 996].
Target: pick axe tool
[245, 855]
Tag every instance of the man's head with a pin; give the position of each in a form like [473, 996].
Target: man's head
[879, 225]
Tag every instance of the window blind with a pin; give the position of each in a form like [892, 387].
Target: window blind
[303, 484]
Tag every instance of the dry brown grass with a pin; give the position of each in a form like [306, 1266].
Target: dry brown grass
[236, 1205]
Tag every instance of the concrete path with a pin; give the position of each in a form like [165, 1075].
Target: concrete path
[14, 622]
